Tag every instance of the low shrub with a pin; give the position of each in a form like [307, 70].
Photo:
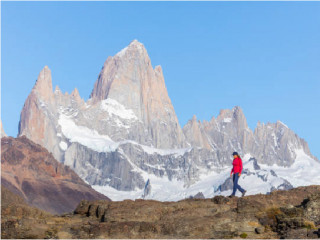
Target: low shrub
[244, 235]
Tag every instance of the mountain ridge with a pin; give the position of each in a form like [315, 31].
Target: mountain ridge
[127, 132]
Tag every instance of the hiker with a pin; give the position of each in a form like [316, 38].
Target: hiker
[236, 173]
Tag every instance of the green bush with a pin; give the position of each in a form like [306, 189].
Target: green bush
[244, 235]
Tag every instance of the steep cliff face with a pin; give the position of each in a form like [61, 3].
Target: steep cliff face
[195, 134]
[38, 116]
[130, 79]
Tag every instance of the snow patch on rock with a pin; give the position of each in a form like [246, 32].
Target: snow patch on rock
[162, 152]
[113, 107]
[103, 143]
[283, 124]
[63, 145]
[227, 120]
[303, 172]
[85, 136]
[122, 52]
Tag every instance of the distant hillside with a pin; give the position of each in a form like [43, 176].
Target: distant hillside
[30, 171]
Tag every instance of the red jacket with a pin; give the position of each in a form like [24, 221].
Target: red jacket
[237, 165]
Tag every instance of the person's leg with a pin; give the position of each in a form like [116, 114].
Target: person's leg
[235, 182]
[240, 188]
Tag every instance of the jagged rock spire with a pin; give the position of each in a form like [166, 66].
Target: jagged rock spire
[130, 79]
[124, 68]
[43, 85]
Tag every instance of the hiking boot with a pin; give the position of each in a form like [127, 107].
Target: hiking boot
[244, 192]
[231, 196]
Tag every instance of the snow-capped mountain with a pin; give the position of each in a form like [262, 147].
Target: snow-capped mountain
[128, 132]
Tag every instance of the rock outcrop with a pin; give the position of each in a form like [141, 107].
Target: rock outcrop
[30, 171]
[281, 214]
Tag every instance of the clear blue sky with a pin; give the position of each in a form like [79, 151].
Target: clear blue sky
[261, 56]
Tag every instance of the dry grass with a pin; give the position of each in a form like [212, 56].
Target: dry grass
[254, 224]
[273, 212]
[309, 225]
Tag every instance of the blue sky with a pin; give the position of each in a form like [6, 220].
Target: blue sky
[261, 56]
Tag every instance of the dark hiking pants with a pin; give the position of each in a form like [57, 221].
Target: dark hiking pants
[236, 185]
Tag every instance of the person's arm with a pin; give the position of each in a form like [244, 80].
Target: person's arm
[240, 163]
[231, 171]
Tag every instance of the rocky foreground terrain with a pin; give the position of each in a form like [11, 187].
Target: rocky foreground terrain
[282, 214]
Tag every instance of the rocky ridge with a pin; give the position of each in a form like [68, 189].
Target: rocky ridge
[271, 143]
[282, 214]
[128, 132]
